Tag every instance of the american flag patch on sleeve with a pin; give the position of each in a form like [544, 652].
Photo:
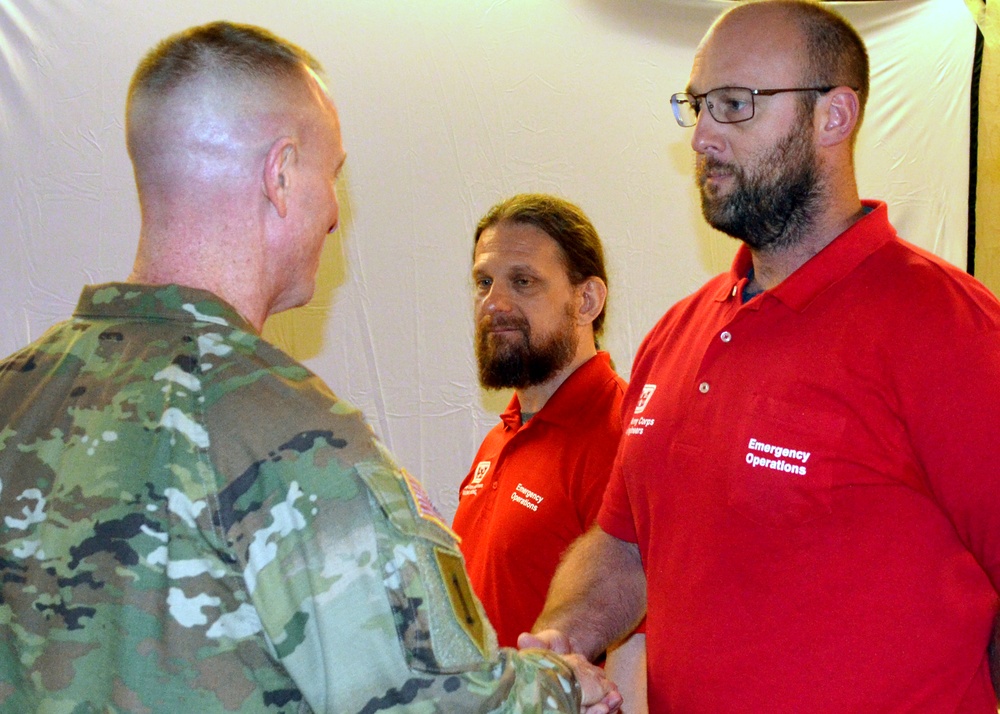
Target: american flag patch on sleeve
[425, 507]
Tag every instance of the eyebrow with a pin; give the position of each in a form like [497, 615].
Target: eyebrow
[515, 268]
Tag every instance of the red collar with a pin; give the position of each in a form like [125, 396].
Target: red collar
[564, 406]
[835, 261]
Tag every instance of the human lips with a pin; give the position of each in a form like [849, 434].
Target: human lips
[504, 328]
[496, 326]
[712, 175]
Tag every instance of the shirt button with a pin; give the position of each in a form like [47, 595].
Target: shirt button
[703, 387]
[726, 337]
[495, 485]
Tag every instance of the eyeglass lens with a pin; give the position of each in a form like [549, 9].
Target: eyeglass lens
[727, 105]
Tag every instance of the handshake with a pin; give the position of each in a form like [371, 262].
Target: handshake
[598, 694]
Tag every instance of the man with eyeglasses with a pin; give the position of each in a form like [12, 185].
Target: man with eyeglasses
[806, 492]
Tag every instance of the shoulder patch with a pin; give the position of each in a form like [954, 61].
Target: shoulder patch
[463, 602]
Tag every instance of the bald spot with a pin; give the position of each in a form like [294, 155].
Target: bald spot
[756, 45]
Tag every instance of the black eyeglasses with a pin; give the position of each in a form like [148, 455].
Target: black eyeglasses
[727, 105]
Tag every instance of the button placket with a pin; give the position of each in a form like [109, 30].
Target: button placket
[725, 337]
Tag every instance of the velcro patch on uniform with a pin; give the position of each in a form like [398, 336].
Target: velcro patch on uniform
[425, 507]
[463, 602]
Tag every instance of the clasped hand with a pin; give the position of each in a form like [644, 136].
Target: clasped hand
[599, 695]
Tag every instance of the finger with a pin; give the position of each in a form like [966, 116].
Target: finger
[527, 640]
[600, 707]
[613, 701]
[595, 687]
[545, 639]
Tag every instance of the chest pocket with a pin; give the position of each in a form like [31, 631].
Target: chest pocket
[439, 622]
[784, 476]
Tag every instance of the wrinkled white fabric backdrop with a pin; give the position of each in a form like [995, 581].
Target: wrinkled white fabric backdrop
[447, 107]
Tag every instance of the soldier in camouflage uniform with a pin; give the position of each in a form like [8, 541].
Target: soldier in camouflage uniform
[191, 520]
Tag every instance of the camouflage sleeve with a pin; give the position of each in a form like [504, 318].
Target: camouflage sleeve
[362, 592]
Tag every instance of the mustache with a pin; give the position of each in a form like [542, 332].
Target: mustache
[708, 163]
[506, 322]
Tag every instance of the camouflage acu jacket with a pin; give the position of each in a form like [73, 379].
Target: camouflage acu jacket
[192, 522]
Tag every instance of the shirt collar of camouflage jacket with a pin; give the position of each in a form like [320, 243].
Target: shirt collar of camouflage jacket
[158, 302]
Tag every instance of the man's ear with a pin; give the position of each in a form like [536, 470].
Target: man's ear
[593, 292]
[277, 173]
[837, 114]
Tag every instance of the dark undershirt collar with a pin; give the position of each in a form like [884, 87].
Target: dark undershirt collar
[749, 294]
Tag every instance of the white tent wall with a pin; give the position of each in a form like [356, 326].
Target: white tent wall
[448, 106]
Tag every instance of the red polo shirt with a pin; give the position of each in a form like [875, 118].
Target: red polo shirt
[812, 481]
[533, 489]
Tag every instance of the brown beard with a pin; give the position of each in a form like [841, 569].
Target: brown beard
[773, 205]
[519, 362]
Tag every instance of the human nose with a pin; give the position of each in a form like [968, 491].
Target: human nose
[495, 299]
[707, 137]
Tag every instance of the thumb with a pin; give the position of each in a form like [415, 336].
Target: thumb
[545, 639]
